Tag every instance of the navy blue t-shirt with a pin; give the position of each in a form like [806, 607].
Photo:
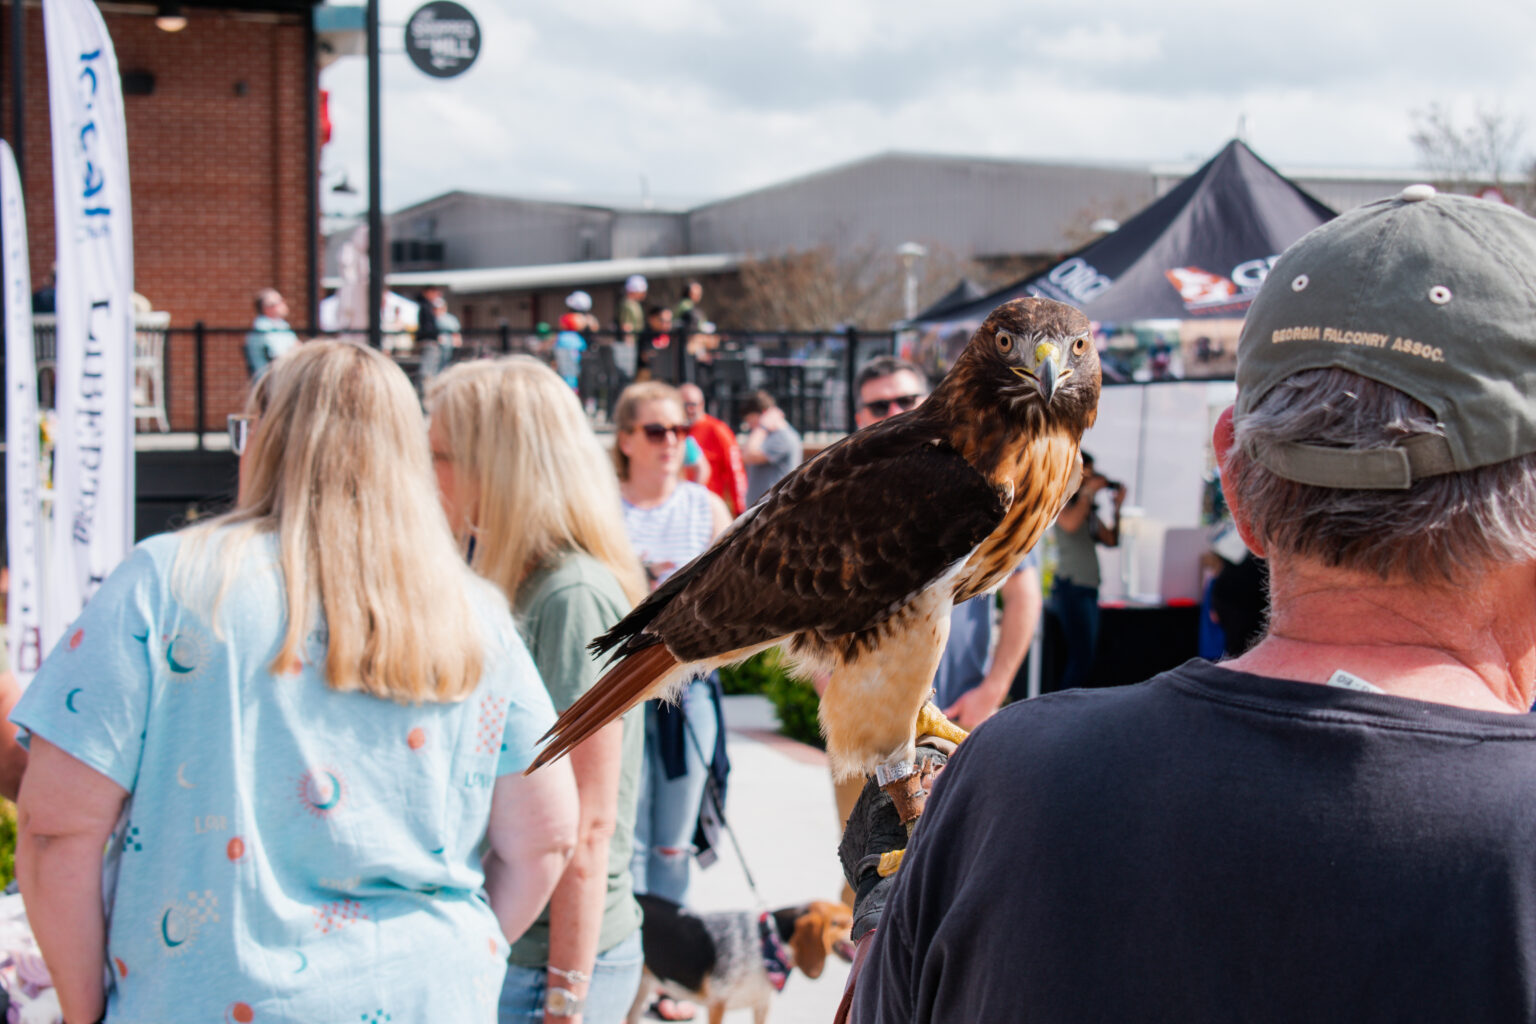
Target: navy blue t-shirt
[1218, 846]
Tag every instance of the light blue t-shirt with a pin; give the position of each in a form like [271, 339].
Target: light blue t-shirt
[288, 852]
[568, 349]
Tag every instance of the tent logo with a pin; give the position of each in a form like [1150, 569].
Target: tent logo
[1078, 278]
[1202, 290]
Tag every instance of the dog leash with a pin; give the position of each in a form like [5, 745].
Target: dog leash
[777, 961]
[713, 792]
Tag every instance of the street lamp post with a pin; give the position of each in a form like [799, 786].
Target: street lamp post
[375, 188]
[910, 253]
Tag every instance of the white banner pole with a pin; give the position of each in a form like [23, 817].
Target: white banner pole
[93, 461]
[23, 503]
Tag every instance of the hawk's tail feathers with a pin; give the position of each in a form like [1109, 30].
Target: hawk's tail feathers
[606, 642]
[620, 688]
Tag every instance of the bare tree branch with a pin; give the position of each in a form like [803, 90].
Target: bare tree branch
[1471, 158]
[816, 289]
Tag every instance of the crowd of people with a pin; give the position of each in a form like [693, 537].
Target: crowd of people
[368, 647]
[275, 769]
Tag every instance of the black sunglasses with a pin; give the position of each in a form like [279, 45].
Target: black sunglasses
[658, 431]
[885, 406]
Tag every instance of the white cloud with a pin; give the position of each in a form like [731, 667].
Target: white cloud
[1092, 46]
[704, 99]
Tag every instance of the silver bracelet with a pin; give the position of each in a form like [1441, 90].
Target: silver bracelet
[574, 977]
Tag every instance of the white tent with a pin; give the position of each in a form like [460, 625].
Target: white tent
[401, 316]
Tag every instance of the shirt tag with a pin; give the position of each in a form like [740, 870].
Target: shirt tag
[1352, 682]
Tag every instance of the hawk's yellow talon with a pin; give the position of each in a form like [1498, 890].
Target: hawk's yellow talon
[890, 860]
[931, 722]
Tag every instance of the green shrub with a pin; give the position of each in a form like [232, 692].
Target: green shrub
[752, 675]
[7, 842]
[796, 702]
[793, 699]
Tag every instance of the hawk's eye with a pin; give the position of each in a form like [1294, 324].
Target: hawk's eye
[1004, 341]
[1080, 346]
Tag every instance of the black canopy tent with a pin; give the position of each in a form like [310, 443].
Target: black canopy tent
[1200, 251]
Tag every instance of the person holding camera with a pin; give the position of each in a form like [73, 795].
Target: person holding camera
[1075, 592]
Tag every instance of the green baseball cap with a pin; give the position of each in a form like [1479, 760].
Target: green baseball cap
[1434, 295]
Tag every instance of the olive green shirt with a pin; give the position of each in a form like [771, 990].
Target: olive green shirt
[631, 316]
[562, 606]
[1077, 555]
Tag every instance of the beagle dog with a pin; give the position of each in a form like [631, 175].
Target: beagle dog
[733, 959]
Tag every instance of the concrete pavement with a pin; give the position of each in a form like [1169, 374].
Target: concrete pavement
[779, 802]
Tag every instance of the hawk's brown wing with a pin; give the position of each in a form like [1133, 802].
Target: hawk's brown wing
[834, 548]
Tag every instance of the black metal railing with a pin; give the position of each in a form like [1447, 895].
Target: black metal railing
[809, 373]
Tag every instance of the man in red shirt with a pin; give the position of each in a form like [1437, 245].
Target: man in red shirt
[727, 475]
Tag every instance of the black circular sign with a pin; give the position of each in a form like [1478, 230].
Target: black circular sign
[442, 39]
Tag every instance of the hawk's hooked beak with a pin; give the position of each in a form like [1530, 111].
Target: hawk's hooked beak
[1050, 367]
[1047, 369]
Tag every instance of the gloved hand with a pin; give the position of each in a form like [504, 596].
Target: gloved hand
[873, 829]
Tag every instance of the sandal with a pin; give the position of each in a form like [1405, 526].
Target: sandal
[667, 1008]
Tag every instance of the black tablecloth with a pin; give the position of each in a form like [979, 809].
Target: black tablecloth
[1136, 642]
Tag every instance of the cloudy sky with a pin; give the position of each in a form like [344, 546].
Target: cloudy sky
[690, 100]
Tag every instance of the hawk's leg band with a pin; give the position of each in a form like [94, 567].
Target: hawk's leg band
[893, 771]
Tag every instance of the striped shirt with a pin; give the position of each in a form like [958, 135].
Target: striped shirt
[668, 536]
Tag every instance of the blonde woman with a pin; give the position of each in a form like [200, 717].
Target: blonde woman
[533, 499]
[291, 727]
[669, 521]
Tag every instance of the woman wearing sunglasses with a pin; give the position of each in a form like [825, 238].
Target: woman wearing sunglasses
[533, 499]
[669, 520]
[290, 727]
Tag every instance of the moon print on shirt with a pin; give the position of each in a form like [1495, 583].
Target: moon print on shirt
[321, 791]
[186, 654]
[180, 921]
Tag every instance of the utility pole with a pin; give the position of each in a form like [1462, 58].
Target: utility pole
[375, 188]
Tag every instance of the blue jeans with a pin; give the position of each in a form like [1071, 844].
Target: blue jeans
[615, 980]
[667, 812]
[1077, 608]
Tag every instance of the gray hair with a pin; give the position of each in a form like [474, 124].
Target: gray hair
[1441, 529]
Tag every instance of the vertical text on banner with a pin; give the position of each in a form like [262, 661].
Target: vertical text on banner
[93, 461]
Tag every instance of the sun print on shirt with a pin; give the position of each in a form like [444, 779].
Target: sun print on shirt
[321, 791]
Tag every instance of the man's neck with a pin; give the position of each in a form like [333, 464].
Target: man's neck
[1471, 645]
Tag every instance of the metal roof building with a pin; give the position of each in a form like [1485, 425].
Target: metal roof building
[986, 209]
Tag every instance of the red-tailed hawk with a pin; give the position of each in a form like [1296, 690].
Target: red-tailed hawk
[852, 562]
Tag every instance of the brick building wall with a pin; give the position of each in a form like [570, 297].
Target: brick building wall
[217, 169]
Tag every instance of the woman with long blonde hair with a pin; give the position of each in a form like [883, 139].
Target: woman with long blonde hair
[291, 726]
[535, 504]
[669, 521]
